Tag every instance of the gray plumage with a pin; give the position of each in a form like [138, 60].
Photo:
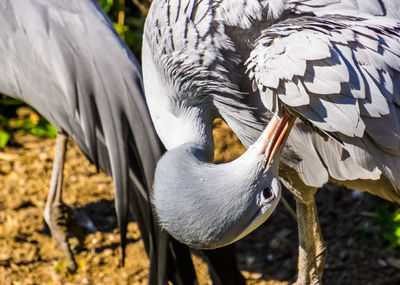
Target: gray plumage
[217, 216]
[333, 64]
[65, 59]
[346, 67]
[61, 77]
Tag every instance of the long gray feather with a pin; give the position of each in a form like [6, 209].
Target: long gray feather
[65, 59]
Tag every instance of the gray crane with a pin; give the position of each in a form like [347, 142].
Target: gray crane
[325, 71]
[64, 58]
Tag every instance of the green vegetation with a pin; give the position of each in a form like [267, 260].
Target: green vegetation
[16, 116]
[383, 221]
[387, 217]
[128, 17]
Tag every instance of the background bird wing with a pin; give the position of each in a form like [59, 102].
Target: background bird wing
[64, 58]
[339, 72]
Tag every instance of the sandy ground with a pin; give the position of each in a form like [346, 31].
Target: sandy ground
[357, 252]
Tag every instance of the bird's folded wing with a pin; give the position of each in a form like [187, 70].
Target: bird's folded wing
[341, 73]
[66, 60]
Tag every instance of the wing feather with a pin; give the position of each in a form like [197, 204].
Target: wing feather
[293, 93]
[351, 80]
[345, 80]
[64, 58]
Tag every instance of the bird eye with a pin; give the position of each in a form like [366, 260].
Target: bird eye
[268, 194]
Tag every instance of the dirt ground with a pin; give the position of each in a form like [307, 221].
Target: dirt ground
[357, 253]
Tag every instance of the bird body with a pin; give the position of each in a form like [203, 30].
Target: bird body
[334, 65]
[64, 58]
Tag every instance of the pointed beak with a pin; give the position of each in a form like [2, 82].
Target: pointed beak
[274, 136]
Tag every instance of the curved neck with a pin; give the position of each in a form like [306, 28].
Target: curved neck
[204, 204]
[184, 125]
[194, 196]
[190, 164]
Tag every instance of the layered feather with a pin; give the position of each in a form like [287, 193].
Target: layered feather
[332, 63]
[344, 81]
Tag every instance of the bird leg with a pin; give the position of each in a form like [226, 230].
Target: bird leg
[58, 215]
[320, 247]
[309, 268]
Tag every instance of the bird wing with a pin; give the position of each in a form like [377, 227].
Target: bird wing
[341, 72]
[64, 58]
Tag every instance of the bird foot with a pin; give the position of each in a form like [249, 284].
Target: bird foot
[62, 220]
[311, 279]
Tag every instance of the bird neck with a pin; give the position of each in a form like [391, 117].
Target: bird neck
[191, 125]
[192, 195]
[190, 155]
[200, 142]
[192, 163]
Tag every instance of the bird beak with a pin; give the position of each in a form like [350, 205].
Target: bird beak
[274, 136]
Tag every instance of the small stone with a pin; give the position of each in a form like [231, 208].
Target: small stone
[4, 257]
[250, 260]
[43, 156]
[394, 262]
[108, 252]
[101, 187]
[274, 243]
[382, 262]
[97, 260]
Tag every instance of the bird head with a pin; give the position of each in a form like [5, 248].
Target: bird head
[209, 206]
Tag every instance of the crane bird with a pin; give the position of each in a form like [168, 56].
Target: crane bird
[64, 58]
[325, 71]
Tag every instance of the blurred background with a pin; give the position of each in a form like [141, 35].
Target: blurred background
[362, 232]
